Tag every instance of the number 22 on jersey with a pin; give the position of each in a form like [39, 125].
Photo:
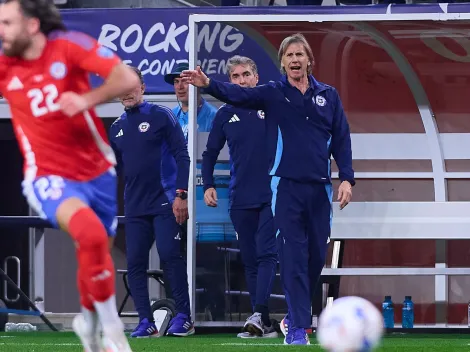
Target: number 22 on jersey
[43, 100]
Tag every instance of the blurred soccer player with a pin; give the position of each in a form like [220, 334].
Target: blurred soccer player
[250, 193]
[305, 125]
[69, 176]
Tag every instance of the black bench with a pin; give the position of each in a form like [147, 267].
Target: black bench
[156, 274]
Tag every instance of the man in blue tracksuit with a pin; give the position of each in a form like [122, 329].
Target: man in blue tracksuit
[250, 193]
[148, 140]
[305, 125]
[205, 111]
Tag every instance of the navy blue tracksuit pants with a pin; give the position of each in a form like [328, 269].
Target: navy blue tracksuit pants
[302, 216]
[257, 241]
[141, 231]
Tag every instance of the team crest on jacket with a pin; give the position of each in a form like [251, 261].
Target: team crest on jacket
[320, 100]
[144, 127]
[261, 114]
[58, 70]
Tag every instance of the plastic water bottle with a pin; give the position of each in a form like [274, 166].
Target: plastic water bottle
[408, 313]
[388, 312]
[20, 327]
[11, 327]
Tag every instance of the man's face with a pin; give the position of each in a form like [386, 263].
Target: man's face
[295, 61]
[134, 97]
[15, 29]
[181, 90]
[244, 76]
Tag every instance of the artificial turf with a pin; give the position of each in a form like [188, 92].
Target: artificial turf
[67, 342]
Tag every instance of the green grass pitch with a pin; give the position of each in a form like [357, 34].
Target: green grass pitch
[67, 342]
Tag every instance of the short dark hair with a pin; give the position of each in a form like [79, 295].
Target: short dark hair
[139, 73]
[45, 11]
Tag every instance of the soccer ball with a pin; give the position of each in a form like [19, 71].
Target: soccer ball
[350, 324]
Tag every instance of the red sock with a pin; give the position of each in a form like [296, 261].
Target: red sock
[94, 260]
[85, 298]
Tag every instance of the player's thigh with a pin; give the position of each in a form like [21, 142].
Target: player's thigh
[55, 198]
[167, 236]
[103, 200]
[319, 220]
[288, 210]
[245, 223]
[139, 239]
[266, 233]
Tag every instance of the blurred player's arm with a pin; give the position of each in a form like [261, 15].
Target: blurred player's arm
[119, 82]
[215, 143]
[86, 53]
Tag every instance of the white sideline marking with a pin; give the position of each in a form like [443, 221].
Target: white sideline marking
[256, 344]
[5, 336]
[38, 344]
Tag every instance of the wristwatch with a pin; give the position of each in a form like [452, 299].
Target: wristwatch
[181, 193]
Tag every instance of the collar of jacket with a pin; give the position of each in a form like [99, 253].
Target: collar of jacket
[313, 83]
[136, 107]
[180, 111]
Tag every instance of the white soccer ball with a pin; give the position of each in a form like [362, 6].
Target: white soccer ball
[350, 324]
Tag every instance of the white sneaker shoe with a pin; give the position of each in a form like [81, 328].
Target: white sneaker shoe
[115, 340]
[254, 325]
[90, 339]
[246, 335]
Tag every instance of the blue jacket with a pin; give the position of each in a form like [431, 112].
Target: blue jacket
[303, 130]
[244, 130]
[205, 116]
[151, 152]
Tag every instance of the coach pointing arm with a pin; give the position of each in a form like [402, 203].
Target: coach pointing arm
[259, 98]
[252, 98]
[305, 126]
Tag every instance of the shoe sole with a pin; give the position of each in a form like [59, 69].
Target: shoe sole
[296, 344]
[253, 329]
[283, 328]
[246, 335]
[183, 334]
[147, 337]
[270, 335]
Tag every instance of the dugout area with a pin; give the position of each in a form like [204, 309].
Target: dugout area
[403, 80]
[401, 74]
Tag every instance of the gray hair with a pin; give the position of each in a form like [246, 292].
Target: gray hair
[240, 60]
[296, 38]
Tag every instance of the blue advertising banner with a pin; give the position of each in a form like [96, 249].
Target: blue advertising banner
[155, 41]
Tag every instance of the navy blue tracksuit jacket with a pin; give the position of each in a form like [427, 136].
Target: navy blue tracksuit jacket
[244, 130]
[153, 156]
[144, 138]
[303, 131]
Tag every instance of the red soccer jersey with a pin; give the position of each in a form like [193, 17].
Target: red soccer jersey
[76, 148]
